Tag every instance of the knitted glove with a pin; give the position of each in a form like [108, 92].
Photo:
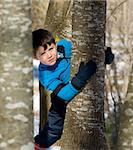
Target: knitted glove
[109, 56]
[84, 73]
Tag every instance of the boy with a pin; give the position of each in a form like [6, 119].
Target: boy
[54, 75]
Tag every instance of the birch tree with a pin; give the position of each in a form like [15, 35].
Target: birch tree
[16, 126]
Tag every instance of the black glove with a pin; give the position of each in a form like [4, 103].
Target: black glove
[109, 56]
[84, 73]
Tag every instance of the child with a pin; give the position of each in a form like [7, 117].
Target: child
[54, 75]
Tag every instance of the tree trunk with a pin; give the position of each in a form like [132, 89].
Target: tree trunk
[84, 128]
[16, 114]
[39, 12]
[56, 14]
[119, 37]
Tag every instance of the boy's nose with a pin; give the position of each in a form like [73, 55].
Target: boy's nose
[48, 54]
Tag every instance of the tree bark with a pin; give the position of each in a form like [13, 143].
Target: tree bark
[84, 128]
[56, 14]
[39, 12]
[126, 134]
[119, 37]
[16, 114]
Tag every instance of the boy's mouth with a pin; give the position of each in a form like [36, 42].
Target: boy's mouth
[51, 60]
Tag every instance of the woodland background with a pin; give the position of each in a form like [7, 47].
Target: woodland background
[99, 118]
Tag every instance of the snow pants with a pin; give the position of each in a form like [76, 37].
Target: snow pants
[53, 128]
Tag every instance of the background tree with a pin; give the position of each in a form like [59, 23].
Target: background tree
[16, 125]
[119, 37]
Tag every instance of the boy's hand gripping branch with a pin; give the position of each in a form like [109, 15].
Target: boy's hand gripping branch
[109, 56]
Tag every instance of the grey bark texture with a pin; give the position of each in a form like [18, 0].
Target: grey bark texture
[16, 114]
[56, 14]
[84, 126]
[126, 128]
[119, 38]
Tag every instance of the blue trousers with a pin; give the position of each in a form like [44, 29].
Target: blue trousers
[53, 128]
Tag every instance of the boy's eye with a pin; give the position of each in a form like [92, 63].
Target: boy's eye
[51, 48]
[42, 53]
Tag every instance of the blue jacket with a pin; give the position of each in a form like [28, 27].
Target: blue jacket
[51, 76]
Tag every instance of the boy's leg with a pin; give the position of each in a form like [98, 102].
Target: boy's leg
[53, 128]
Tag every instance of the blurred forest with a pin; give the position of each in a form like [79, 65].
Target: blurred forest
[57, 16]
[16, 113]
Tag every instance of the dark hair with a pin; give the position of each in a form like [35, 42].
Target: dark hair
[41, 37]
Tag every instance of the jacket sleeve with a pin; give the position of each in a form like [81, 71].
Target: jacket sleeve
[67, 44]
[66, 93]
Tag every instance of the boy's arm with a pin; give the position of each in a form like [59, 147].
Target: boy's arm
[64, 91]
[67, 91]
[70, 90]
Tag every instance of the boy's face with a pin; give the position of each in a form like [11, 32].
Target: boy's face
[47, 56]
